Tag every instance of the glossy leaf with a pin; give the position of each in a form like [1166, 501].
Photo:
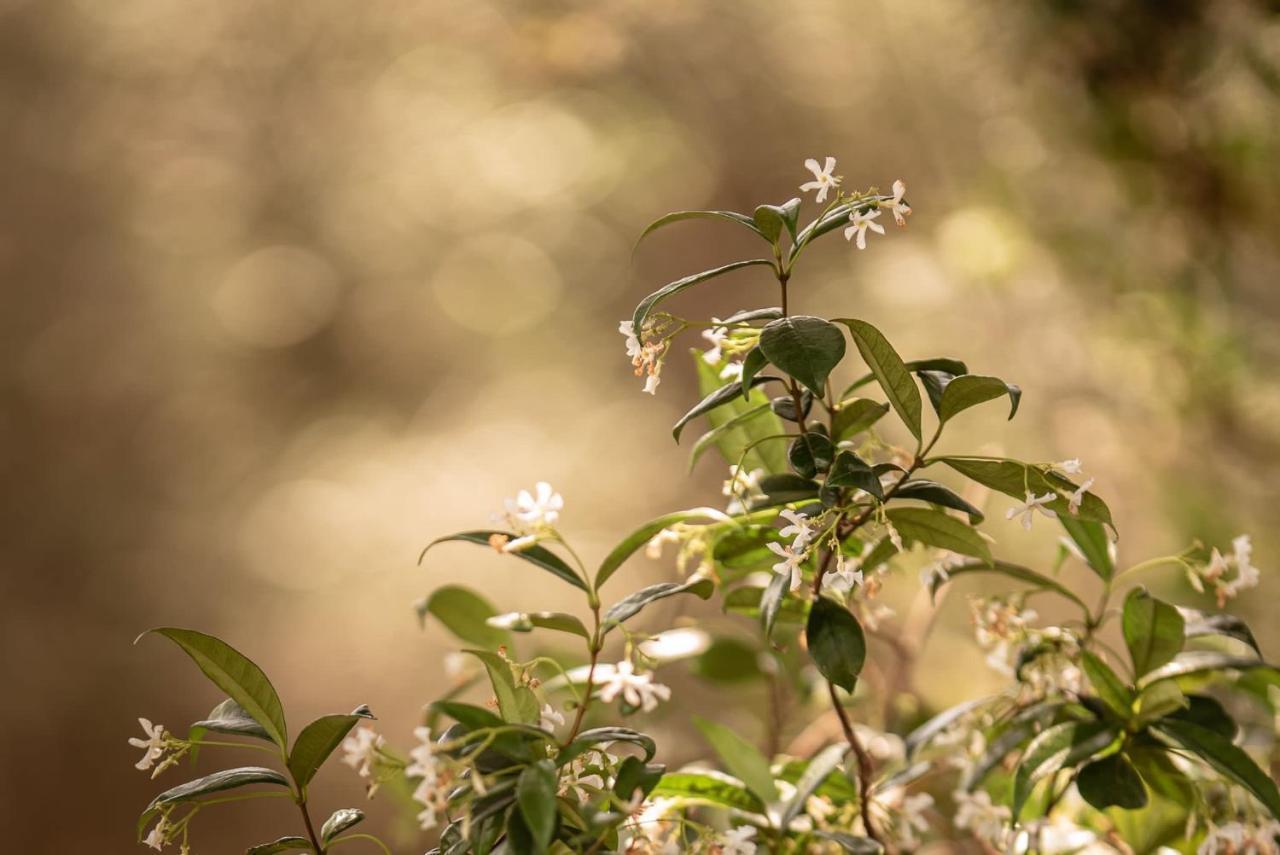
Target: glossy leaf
[1206, 712]
[855, 415]
[1153, 631]
[1226, 758]
[464, 613]
[936, 528]
[1111, 782]
[1197, 623]
[1061, 746]
[230, 717]
[340, 821]
[1092, 541]
[836, 642]
[969, 390]
[810, 454]
[648, 304]
[814, 774]
[539, 556]
[748, 315]
[940, 722]
[536, 796]
[936, 494]
[707, 788]
[629, 606]
[783, 490]
[752, 364]
[234, 673]
[1203, 661]
[680, 216]
[317, 741]
[724, 395]
[641, 536]
[1110, 688]
[740, 758]
[890, 372]
[292, 843]
[635, 777]
[1014, 478]
[589, 739]
[805, 347]
[227, 779]
[1013, 571]
[951, 367]
[771, 602]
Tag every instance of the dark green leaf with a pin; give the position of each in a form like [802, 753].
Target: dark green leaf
[889, 370]
[935, 384]
[538, 556]
[752, 364]
[740, 758]
[630, 606]
[950, 367]
[936, 494]
[635, 776]
[810, 454]
[724, 395]
[1113, 692]
[856, 415]
[588, 739]
[1153, 631]
[678, 216]
[340, 821]
[234, 673]
[784, 407]
[935, 528]
[851, 471]
[284, 844]
[464, 613]
[815, 773]
[771, 602]
[1014, 478]
[1013, 571]
[227, 779]
[472, 717]
[1206, 712]
[784, 489]
[230, 717]
[316, 742]
[707, 788]
[1225, 757]
[1111, 782]
[1091, 539]
[648, 303]
[970, 390]
[835, 642]
[805, 347]
[641, 536]
[536, 796]
[1197, 623]
[1061, 746]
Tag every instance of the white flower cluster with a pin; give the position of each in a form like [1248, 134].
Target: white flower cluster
[360, 752]
[432, 791]
[741, 488]
[1228, 575]
[646, 357]
[1026, 511]
[1236, 838]
[637, 689]
[862, 219]
[532, 516]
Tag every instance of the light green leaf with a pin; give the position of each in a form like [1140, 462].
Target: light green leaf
[740, 758]
[671, 289]
[464, 613]
[536, 796]
[1114, 693]
[712, 437]
[515, 705]
[641, 536]
[340, 821]
[234, 673]
[746, 436]
[1091, 539]
[1153, 631]
[630, 606]
[1225, 757]
[726, 394]
[836, 642]
[707, 788]
[1159, 699]
[539, 556]
[317, 741]
[815, 773]
[969, 390]
[889, 370]
[935, 528]
[769, 220]
[805, 347]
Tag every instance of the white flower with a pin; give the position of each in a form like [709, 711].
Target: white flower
[731, 371]
[1027, 509]
[156, 838]
[651, 382]
[789, 565]
[647, 358]
[153, 746]
[535, 511]
[798, 528]
[738, 841]
[976, 812]
[823, 178]
[1219, 566]
[715, 337]
[862, 220]
[901, 210]
[1068, 467]
[912, 817]
[550, 718]
[425, 763]
[360, 750]
[634, 348]
[653, 549]
[842, 580]
[637, 690]
[510, 620]
[742, 487]
[1074, 500]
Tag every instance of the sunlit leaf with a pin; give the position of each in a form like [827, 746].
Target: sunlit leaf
[539, 556]
[889, 370]
[464, 613]
[740, 758]
[671, 289]
[1153, 631]
[805, 347]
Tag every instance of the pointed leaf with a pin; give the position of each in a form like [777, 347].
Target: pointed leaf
[855, 415]
[589, 739]
[771, 602]
[1061, 746]
[748, 315]
[970, 390]
[464, 613]
[710, 788]
[340, 821]
[721, 432]
[1153, 631]
[536, 796]
[805, 347]
[317, 741]
[936, 494]
[889, 370]
[836, 642]
[815, 773]
[1091, 539]
[284, 844]
[671, 289]
[724, 395]
[935, 528]
[945, 365]
[230, 717]
[1202, 661]
[1013, 571]
[1114, 693]
[1014, 478]
[1226, 758]
[1198, 623]
[1112, 782]
[227, 779]
[539, 556]
[641, 536]
[740, 758]
[752, 364]
[628, 607]
[679, 216]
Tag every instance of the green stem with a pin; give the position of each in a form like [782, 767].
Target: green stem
[594, 648]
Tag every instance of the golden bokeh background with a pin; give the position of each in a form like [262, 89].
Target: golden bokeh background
[293, 288]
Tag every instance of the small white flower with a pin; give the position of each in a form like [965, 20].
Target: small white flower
[458, 667]
[1027, 509]
[1219, 566]
[901, 210]
[823, 178]
[1076, 498]
[913, 819]
[861, 221]
[153, 746]
[647, 358]
[634, 348]
[425, 762]
[789, 565]
[740, 840]
[651, 382]
[842, 580]
[637, 690]
[537, 510]
[731, 371]
[653, 549]
[742, 487]
[715, 337]
[986, 820]
[550, 718]
[360, 750]
[156, 838]
[1068, 467]
[510, 620]
[798, 527]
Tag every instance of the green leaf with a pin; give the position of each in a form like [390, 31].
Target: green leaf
[536, 796]
[851, 843]
[1206, 712]
[1013, 571]
[856, 415]
[1091, 539]
[727, 660]
[707, 788]
[835, 642]
[227, 779]
[234, 673]
[726, 394]
[230, 717]
[941, 722]
[1159, 699]
[317, 741]
[815, 773]
[714, 436]
[515, 705]
[950, 367]
[930, 491]
[284, 844]
[635, 775]
[1197, 623]
[528, 621]
[649, 303]
[970, 390]
[748, 315]
[805, 347]
[740, 758]
[752, 364]
[641, 536]
[770, 221]
[1112, 782]
[742, 443]
[464, 612]
[1114, 693]
[539, 556]
[1153, 631]
[771, 602]
[850, 471]
[811, 453]
[340, 821]
[889, 370]
[935, 528]
[784, 489]
[679, 216]
[1201, 661]
[1014, 478]
[1225, 757]
[629, 606]
[468, 715]
[1061, 746]
[588, 739]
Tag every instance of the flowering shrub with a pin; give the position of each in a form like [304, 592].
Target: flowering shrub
[1089, 747]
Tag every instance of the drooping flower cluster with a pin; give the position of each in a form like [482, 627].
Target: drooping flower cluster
[432, 791]
[646, 356]
[360, 751]
[1228, 575]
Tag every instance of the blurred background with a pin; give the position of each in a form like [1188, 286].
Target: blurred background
[293, 288]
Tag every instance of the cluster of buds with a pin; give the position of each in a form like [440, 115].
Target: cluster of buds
[647, 349]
